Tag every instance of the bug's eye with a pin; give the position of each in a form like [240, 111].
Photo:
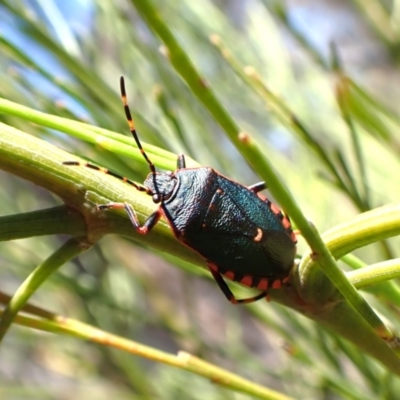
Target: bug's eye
[156, 198]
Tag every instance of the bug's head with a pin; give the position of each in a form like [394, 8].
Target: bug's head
[161, 185]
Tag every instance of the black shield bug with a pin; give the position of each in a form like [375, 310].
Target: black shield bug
[238, 231]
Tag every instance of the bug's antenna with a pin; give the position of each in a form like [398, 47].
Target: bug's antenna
[136, 137]
[132, 125]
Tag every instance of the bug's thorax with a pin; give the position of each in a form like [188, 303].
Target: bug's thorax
[164, 186]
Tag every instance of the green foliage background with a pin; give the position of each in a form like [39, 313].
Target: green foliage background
[341, 160]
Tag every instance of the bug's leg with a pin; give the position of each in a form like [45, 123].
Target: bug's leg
[229, 295]
[142, 229]
[257, 187]
[181, 163]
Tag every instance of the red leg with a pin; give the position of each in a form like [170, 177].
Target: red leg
[142, 229]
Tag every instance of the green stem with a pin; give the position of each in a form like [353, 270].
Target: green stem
[183, 360]
[103, 138]
[72, 248]
[52, 221]
[375, 274]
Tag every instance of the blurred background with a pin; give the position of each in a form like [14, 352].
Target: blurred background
[65, 58]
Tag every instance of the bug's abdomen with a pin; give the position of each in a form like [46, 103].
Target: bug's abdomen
[240, 234]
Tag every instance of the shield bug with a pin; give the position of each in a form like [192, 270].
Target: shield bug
[242, 235]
